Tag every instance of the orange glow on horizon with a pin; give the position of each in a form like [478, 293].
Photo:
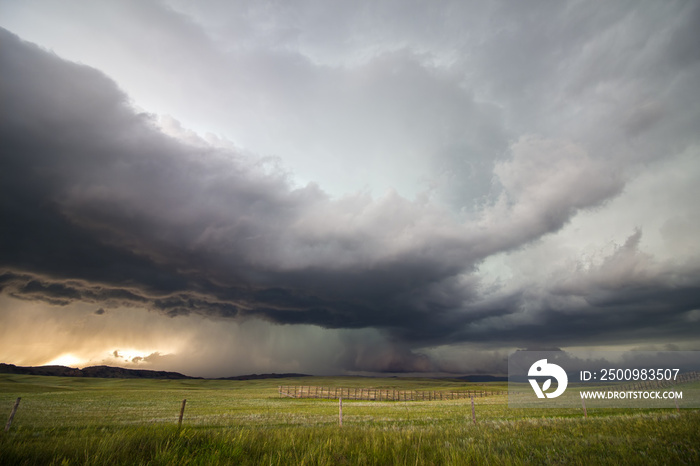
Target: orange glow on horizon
[66, 359]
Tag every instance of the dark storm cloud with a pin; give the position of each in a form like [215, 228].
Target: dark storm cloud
[100, 206]
[628, 297]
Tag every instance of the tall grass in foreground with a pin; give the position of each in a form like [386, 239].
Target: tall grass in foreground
[629, 439]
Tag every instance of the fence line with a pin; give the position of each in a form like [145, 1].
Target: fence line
[387, 394]
[380, 394]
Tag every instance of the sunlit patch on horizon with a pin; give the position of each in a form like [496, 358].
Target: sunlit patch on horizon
[65, 359]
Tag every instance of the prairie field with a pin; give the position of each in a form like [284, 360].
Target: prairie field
[135, 421]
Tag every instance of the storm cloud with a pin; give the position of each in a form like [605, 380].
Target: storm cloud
[523, 226]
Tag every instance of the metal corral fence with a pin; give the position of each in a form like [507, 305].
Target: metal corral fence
[380, 394]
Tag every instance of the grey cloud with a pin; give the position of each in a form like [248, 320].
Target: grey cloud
[111, 200]
[630, 281]
[544, 183]
[627, 297]
[390, 114]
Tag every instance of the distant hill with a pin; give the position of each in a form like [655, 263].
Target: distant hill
[109, 372]
[106, 372]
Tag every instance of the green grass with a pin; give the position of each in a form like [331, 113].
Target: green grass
[117, 421]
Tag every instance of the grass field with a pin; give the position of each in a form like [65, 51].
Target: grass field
[127, 421]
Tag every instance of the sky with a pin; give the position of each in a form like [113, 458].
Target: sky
[370, 187]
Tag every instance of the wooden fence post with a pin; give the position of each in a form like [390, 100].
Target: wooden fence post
[340, 411]
[182, 412]
[12, 414]
[473, 412]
